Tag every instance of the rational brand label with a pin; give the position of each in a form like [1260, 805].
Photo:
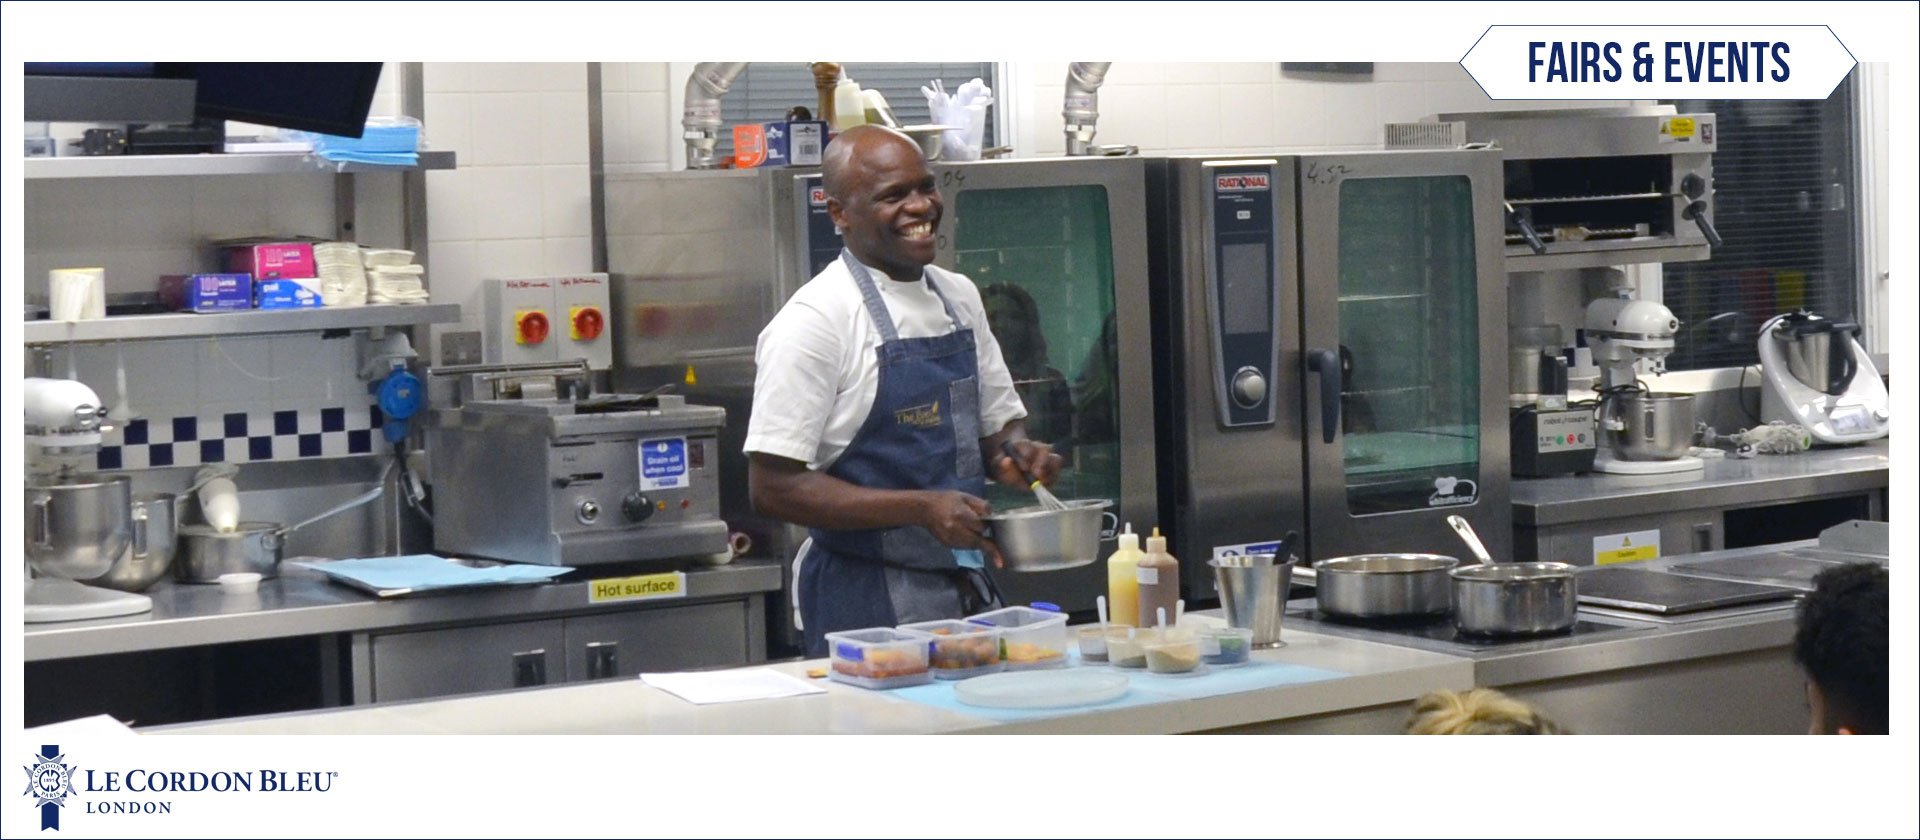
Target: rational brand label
[663, 463]
[1626, 548]
[817, 196]
[638, 588]
[1244, 182]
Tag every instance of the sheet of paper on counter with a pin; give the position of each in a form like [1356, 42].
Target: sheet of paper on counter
[705, 687]
[80, 729]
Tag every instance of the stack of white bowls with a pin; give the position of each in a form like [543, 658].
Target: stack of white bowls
[343, 281]
[393, 278]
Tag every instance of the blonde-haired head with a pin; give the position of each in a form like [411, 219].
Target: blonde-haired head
[1480, 711]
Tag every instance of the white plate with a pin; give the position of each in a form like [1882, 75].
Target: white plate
[1042, 689]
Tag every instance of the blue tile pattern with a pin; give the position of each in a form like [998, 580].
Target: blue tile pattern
[332, 432]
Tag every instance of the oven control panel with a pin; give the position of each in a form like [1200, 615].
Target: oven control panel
[1241, 280]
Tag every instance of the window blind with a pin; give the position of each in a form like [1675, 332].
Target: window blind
[1784, 199]
[767, 90]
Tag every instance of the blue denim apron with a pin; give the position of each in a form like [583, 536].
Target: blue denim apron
[922, 434]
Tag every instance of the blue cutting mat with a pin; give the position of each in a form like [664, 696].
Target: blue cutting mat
[1142, 689]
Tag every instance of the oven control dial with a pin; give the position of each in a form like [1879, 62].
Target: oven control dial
[588, 512]
[636, 506]
[1693, 186]
[1249, 387]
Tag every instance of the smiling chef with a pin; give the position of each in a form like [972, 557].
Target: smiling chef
[877, 386]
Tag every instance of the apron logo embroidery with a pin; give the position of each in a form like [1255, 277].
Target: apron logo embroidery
[919, 416]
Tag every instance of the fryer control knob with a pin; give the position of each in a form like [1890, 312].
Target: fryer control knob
[636, 506]
[1249, 387]
[1693, 185]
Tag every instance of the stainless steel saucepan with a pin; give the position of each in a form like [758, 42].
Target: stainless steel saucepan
[1371, 586]
[206, 553]
[1512, 599]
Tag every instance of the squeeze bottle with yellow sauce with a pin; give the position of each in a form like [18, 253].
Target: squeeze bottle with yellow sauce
[1123, 589]
[1158, 575]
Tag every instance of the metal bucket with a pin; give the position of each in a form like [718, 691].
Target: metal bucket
[1253, 590]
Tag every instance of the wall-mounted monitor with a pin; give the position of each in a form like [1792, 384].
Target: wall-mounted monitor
[327, 97]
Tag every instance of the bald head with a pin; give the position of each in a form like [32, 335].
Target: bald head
[850, 150]
[882, 196]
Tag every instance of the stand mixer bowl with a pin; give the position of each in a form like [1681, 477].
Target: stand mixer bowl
[1656, 426]
[77, 526]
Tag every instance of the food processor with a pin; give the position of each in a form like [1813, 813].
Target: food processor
[1548, 436]
[1816, 374]
[1641, 432]
[77, 524]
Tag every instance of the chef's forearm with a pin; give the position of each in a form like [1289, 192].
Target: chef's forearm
[786, 490]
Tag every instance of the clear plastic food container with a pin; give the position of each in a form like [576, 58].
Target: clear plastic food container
[879, 657]
[1225, 645]
[959, 649]
[1093, 642]
[1127, 646]
[1029, 638]
[1177, 653]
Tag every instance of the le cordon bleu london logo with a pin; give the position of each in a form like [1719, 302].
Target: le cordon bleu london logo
[53, 785]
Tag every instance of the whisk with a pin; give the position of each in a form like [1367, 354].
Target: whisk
[1048, 501]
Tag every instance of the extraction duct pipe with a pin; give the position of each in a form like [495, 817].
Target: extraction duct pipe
[1081, 107]
[700, 118]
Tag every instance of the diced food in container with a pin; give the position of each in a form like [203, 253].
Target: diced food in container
[1225, 645]
[1029, 638]
[879, 657]
[1093, 643]
[959, 649]
[1172, 656]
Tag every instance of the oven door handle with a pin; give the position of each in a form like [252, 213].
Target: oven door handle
[1526, 230]
[1697, 211]
[1326, 363]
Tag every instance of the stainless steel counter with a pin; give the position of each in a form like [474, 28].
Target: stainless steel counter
[304, 603]
[1726, 670]
[1723, 483]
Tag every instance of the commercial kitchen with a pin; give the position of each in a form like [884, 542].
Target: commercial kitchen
[439, 429]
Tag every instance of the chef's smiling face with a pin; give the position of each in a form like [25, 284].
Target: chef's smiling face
[887, 205]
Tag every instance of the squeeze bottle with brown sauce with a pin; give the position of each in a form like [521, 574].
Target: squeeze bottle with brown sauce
[1159, 576]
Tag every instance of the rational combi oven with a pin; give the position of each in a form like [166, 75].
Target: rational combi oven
[1320, 354]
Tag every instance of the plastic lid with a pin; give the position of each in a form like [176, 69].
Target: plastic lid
[1042, 605]
[1156, 544]
[1129, 541]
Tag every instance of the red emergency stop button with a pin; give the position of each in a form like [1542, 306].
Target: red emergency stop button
[530, 327]
[587, 322]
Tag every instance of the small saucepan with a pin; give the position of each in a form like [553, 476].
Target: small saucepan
[1510, 599]
[206, 553]
[1384, 586]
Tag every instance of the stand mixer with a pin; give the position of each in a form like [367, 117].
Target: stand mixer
[1816, 374]
[77, 524]
[1641, 433]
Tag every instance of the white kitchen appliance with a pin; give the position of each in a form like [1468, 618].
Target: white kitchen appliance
[77, 524]
[1816, 374]
[1622, 331]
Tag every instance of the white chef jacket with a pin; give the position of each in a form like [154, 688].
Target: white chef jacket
[818, 370]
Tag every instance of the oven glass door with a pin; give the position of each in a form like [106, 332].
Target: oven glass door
[1409, 343]
[1042, 258]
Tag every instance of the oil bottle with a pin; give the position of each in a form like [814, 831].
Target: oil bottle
[1158, 576]
[1123, 587]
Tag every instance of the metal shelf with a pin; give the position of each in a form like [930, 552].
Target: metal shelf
[251, 322]
[160, 166]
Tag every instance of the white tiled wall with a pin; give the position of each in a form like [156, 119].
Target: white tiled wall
[1192, 107]
[519, 203]
[637, 120]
